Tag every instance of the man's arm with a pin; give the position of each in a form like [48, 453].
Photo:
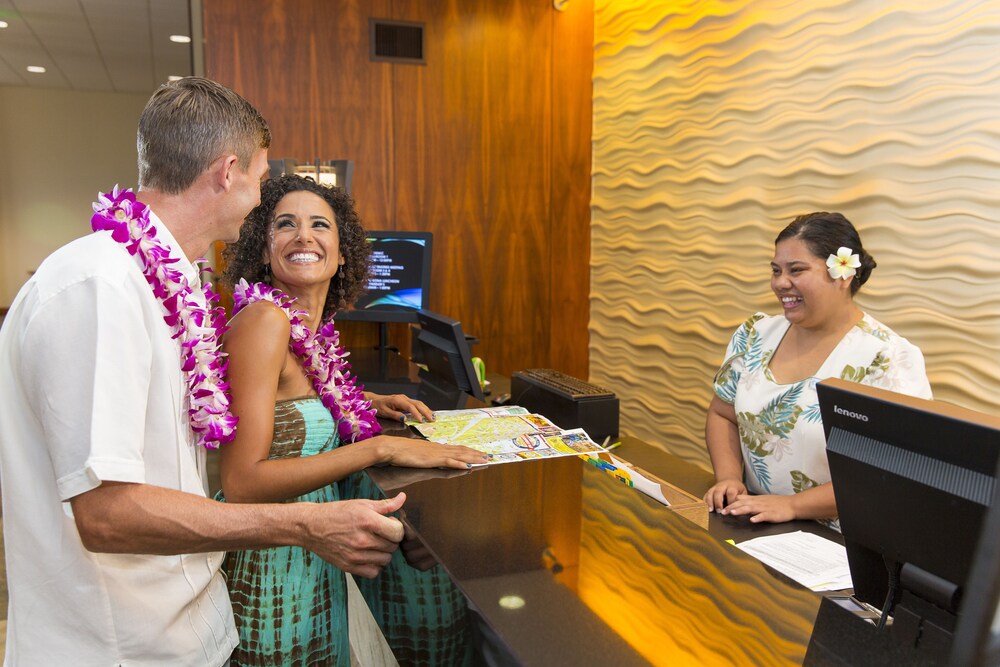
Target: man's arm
[354, 535]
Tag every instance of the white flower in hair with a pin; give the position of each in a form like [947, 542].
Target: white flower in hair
[843, 265]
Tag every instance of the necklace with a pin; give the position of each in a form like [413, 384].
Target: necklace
[323, 362]
[195, 323]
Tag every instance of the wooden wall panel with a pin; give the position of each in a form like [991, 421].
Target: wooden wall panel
[572, 112]
[305, 66]
[439, 154]
[462, 146]
[472, 167]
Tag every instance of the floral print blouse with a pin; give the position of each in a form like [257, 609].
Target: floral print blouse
[781, 432]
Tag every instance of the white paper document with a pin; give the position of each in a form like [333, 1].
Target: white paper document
[640, 481]
[813, 561]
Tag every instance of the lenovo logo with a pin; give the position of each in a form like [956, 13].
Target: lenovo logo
[848, 413]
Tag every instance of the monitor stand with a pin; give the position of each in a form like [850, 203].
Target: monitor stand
[843, 638]
[383, 338]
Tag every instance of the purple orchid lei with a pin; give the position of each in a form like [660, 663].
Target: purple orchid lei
[323, 361]
[198, 326]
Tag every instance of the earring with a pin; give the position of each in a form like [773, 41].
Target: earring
[341, 302]
[267, 274]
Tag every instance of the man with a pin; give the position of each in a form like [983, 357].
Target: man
[113, 550]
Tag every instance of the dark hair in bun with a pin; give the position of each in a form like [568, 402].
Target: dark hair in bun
[825, 233]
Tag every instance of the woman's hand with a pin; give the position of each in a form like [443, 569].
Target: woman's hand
[773, 509]
[397, 406]
[414, 453]
[724, 493]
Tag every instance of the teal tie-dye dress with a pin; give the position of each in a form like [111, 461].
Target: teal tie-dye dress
[291, 606]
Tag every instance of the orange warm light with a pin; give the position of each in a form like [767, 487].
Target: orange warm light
[678, 596]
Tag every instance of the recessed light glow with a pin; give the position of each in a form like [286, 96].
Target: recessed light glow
[3, 24]
[180, 39]
[174, 77]
[511, 602]
[36, 69]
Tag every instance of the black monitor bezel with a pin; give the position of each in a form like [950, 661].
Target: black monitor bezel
[435, 325]
[396, 314]
[858, 421]
[976, 639]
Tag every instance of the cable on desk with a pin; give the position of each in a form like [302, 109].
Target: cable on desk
[891, 595]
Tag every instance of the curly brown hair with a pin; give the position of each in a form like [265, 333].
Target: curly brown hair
[245, 258]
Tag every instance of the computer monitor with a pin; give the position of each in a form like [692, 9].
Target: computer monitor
[400, 280]
[913, 480]
[446, 352]
[977, 637]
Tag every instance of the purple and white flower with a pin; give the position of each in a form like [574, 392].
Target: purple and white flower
[323, 361]
[196, 323]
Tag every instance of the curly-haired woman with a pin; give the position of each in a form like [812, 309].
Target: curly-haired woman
[304, 427]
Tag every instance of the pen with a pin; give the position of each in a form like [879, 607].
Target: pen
[616, 443]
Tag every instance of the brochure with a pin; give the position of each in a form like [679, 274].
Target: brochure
[508, 433]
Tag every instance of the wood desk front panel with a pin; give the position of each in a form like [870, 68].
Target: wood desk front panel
[607, 575]
[663, 588]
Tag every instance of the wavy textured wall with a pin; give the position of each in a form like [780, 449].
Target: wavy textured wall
[717, 122]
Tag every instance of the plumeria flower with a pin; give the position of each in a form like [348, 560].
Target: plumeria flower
[843, 265]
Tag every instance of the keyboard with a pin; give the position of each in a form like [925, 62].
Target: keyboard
[565, 385]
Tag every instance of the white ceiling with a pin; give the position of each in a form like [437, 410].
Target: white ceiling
[103, 45]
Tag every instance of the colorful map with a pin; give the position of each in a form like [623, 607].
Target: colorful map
[508, 434]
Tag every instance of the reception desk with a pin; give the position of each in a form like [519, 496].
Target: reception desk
[563, 565]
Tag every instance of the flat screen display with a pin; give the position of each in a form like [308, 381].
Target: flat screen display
[399, 284]
[914, 479]
[446, 352]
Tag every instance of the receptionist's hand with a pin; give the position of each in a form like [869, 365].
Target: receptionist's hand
[773, 509]
[397, 406]
[723, 493]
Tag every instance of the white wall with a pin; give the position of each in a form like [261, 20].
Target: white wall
[57, 150]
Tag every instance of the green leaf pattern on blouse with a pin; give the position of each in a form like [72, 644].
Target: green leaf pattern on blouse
[780, 425]
[880, 364]
[801, 481]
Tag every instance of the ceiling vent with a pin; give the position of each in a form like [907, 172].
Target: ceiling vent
[397, 41]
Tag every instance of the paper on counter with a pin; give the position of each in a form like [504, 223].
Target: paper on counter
[507, 433]
[815, 562]
[630, 475]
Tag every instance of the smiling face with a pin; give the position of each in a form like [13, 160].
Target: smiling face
[304, 245]
[800, 280]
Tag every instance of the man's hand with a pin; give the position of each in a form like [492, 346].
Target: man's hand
[355, 535]
[415, 551]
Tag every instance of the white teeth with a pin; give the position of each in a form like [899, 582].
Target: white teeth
[790, 299]
[303, 257]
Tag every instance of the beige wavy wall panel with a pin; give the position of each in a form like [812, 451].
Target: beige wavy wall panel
[716, 122]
